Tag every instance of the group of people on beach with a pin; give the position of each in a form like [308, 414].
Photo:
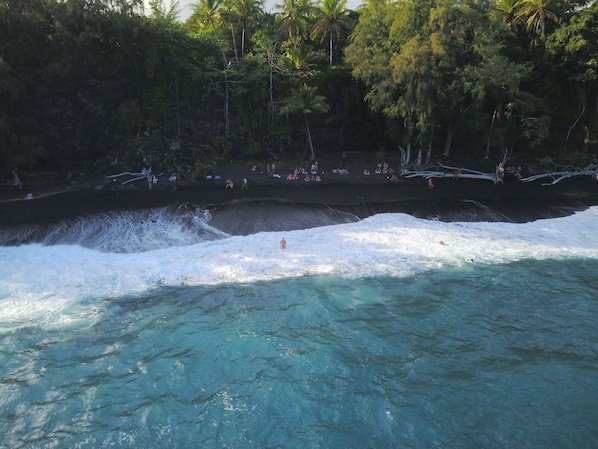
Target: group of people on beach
[382, 168]
[301, 173]
[310, 171]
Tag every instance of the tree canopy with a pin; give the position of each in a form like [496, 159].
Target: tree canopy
[449, 68]
[88, 85]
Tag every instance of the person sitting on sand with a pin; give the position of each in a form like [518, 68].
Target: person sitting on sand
[366, 172]
[229, 184]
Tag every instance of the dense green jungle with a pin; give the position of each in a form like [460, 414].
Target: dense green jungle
[91, 87]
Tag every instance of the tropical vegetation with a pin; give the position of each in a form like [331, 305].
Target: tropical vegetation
[97, 85]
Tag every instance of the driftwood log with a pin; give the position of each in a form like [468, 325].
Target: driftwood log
[498, 175]
[145, 173]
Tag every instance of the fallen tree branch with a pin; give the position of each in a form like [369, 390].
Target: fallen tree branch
[145, 173]
[455, 172]
[469, 174]
[139, 178]
[590, 170]
[497, 177]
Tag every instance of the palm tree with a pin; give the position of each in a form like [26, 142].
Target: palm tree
[228, 18]
[305, 101]
[159, 11]
[508, 11]
[295, 16]
[246, 12]
[333, 15]
[207, 12]
[534, 14]
[301, 58]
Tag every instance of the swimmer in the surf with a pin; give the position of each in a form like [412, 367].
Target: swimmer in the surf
[283, 243]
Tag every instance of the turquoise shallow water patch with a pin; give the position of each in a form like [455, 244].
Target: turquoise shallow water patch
[473, 356]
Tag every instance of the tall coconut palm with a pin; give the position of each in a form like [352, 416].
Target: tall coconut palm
[207, 12]
[228, 18]
[507, 11]
[333, 18]
[247, 11]
[295, 17]
[534, 14]
[304, 100]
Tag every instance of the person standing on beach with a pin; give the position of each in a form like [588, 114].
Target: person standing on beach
[151, 180]
[283, 243]
[244, 186]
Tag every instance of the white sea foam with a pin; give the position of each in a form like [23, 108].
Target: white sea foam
[63, 282]
[124, 231]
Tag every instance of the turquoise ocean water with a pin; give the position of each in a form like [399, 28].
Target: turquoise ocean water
[389, 332]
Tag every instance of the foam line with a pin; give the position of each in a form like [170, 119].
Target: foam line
[37, 279]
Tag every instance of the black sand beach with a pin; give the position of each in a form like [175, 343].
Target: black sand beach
[450, 200]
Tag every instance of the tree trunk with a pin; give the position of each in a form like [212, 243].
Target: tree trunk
[490, 134]
[243, 42]
[178, 106]
[449, 138]
[272, 113]
[311, 146]
[232, 31]
[226, 114]
[403, 157]
[331, 49]
[224, 65]
[583, 109]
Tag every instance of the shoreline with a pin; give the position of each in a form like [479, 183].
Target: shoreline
[523, 201]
